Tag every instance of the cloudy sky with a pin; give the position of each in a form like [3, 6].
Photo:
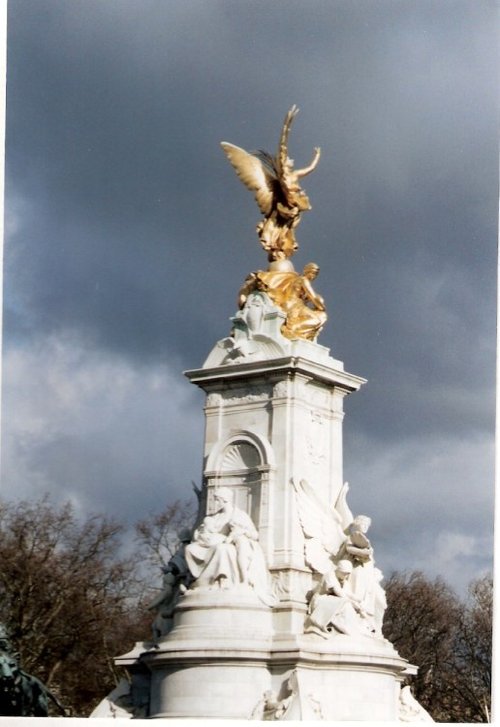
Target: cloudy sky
[128, 236]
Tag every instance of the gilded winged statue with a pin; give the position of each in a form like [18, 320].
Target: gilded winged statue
[275, 184]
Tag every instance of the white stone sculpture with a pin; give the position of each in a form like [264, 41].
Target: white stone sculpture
[409, 709]
[272, 706]
[333, 607]
[255, 336]
[225, 552]
[365, 579]
[323, 526]
[118, 704]
[336, 546]
[288, 703]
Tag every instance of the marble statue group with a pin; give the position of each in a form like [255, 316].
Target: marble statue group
[224, 553]
[349, 598]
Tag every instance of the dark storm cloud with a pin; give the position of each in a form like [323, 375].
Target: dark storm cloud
[128, 228]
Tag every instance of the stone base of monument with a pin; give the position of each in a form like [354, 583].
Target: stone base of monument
[343, 678]
[214, 662]
[221, 661]
[273, 450]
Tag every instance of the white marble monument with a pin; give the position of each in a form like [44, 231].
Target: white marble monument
[273, 607]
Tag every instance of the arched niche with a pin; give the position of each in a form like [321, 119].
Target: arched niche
[242, 463]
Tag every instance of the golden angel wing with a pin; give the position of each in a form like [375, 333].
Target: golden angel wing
[253, 174]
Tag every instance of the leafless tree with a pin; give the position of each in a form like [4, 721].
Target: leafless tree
[158, 534]
[67, 600]
[473, 650]
[448, 639]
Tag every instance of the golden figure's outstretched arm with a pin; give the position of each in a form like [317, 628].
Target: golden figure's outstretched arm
[312, 166]
[288, 177]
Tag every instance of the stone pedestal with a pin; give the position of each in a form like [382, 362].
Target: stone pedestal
[222, 657]
[214, 663]
[340, 679]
